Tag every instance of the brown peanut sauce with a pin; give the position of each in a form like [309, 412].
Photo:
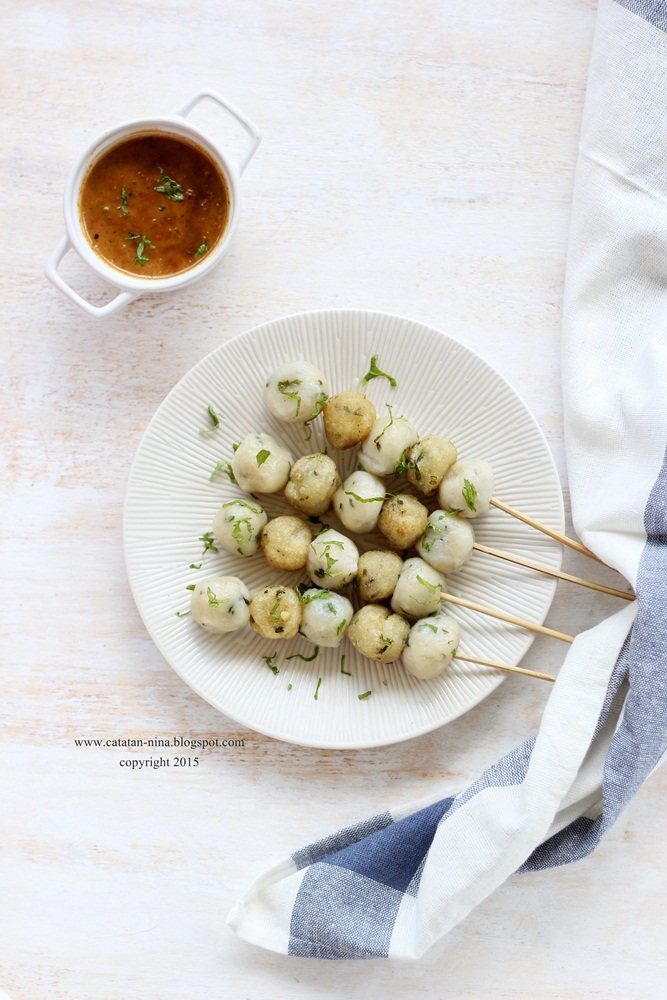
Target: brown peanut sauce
[147, 232]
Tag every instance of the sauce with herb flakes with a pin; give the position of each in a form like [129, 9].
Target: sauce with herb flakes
[154, 205]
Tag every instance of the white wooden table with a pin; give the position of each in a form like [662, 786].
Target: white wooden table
[417, 158]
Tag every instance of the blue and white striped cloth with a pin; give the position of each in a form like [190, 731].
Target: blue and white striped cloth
[394, 884]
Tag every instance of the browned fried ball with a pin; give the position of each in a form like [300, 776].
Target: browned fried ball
[348, 419]
[403, 521]
[312, 482]
[378, 633]
[275, 612]
[429, 460]
[285, 542]
[378, 574]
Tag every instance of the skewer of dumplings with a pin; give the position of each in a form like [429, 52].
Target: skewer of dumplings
[323, 615]
[427, 646]
[444, 539]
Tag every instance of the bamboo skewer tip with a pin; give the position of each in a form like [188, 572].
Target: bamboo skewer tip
[503, 616]
[507, 667]
[552, 532]
[551, 571]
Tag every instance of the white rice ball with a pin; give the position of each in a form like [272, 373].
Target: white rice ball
[238, 525]
[295, 392]
[220, 604]
[417, 593]
[431, 646]
[447, 542]
[467, 488]
[385, 446]
[358, 502]
[333, 560]
[261, 464]
[326, 616]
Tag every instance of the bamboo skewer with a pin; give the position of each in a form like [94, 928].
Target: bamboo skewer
[506, 617]
[558, 535]
[503, 666]
[554, 572]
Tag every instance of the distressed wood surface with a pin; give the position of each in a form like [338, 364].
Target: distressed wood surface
[418, 159]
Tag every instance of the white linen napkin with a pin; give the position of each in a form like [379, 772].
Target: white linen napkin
[394, 884]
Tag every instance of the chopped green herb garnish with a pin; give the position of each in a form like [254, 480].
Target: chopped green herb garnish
[215, 420]
[237, 533]
[430, 536]
[243, 503]
[169, 187]
[342, 667]
[300, 656]
[317, 689]
[385, 496]
[341, 626]
[283, 389]
[403, 464]
[429, 625]
[262, 456]
[209, 542]
[219, 466]
[274, 610]
[301, 589]
[182, 614]
[190, 586]
[319, 406]
[140, 257]
[270, 664]
[201, 250]
[375, 372]
[123, 207]
[195, 566]
[433, 587]
[469, 492]
[215, 602]
[391, 420]
[366, 694]
[331, 562]
[289, 687]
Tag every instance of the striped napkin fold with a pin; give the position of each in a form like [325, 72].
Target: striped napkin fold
[392, 885]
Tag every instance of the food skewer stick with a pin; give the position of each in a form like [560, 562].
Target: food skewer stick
[503, 666]
[467, 487]
[558, 535]
[554, 572]
[503, 616]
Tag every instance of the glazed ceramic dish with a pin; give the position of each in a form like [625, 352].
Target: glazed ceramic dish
[173, 495]
[129, 286]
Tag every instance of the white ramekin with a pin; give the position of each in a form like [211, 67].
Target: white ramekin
[131, 286]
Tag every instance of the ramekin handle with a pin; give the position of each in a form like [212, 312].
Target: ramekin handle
[52, 274]
[243, 120]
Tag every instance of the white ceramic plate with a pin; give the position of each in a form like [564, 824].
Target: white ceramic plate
[444, 388]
